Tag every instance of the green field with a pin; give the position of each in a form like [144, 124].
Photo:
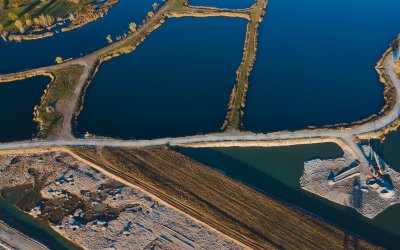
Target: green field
[26, 11]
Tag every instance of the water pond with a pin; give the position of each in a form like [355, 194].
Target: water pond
[37, 53]
[389, 149]
[316, 63]
[18, 100]
[178, 82]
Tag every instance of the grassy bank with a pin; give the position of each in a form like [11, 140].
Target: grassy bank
[238, 96]
[232, 208]
[133, 40]
[49, 112]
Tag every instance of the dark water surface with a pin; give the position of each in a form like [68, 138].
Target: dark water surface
[230, 4]
[17, 102]
[277, 171]
[36, 53]
[389, 150]
[315, 62]
[31, 227]
[176, 83]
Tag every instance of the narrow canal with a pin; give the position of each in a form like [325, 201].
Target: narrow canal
[277, 171]
[32, 228]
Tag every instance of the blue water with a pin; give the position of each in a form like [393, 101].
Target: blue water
[230, 4]
[389, 149]
[36, 53]
[277, 171]
[33, 228]
[178, 82]
[17, 102]
[315, 62]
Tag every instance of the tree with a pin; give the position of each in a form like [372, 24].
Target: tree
[132, 27]
[44, 21]
[12, 16]
[3, 31]
[155, 7]
[59, 60]
[109, 39]
[28, 23]
[20, 26]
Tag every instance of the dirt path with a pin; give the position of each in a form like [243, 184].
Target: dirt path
[240, 139]
[74, 102]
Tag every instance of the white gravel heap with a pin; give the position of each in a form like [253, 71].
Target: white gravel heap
[342, 181]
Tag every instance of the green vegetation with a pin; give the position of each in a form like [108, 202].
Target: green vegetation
[242, 78]
[15, 14]
[178, 4]
[238, 98]
[153, 22]
[48, 114]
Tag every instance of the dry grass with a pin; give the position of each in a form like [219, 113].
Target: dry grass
[397, 68]
[238, 97]
[250, 217]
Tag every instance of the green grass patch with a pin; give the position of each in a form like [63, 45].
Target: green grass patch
[29, 9]
[60, 89]
[64, 83]
[178, 4]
